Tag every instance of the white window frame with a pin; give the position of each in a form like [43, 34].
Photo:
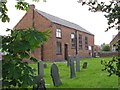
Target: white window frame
[58, 33]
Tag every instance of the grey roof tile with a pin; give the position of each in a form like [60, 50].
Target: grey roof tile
[62, 21]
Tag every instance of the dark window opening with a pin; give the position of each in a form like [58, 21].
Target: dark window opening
[80, 41]
[59, 48]
[86, 43]
[73, 40]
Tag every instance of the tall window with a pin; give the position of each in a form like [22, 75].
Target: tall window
[86, 43]
[58, 33]
[73, 40]
[80, 41]
[58, 48]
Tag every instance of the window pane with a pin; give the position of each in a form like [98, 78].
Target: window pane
[86, 43]
[58, 48]
[73, 40]
[58, 33]
[80, 41]
[90, 48]
[72, 35]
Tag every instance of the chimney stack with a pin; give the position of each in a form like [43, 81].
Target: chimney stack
[32, 6]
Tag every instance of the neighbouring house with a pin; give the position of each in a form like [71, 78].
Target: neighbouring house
[114, 41]
[66, 38]
[97, 49]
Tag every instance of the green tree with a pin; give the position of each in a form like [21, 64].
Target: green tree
[18, 46]
[111, 11]
[20, 5]
[105, 47]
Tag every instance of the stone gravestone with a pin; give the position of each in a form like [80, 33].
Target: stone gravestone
[40, 85]
[41, 69]
[72, 69]
[68, 61]
[84, 65]
[45, 65]
[77, 63]
[39, 80]
[40, 72]
[55, 75]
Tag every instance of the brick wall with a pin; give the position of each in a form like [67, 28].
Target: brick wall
[49, 48]
[108, 54]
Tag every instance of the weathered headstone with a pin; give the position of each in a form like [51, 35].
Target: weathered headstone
[39, 80]
[77, 63]
[72, 69]
[84, 65]
[41, 69]
[40, 84]
[45, 65]
[68, 62]
[55, 75]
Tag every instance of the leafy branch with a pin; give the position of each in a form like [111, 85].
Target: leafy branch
[18, 47]
[20, 5]
[111, 10]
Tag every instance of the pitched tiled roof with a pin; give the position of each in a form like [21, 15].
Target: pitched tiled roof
[62, 21]
[117, 37]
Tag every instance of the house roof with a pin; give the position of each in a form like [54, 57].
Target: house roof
[117, 36]
[60, 21]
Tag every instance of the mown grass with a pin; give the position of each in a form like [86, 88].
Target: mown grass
[92, 77]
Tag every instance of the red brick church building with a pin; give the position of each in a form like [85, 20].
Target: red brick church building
[66, 37]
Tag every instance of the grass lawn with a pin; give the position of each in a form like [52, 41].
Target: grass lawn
[92, 77]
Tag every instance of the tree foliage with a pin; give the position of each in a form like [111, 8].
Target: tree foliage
[111, 11]
[17, 47]
[112, 66]
[20, 5]
[105, 47]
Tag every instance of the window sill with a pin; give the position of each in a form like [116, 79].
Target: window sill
[59, 54]
[59, 37]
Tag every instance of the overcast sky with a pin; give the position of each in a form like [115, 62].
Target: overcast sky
[69, 10]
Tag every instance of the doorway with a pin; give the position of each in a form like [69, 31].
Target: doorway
[42, 54]
[66, 51]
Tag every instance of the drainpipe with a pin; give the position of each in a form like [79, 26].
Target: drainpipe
[33, 21]
[76, 49]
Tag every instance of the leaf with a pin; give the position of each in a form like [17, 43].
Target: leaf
[83, 3]
[93, 3]
[3, 19]
[3, 0]
[18, 45]
[33, 59]
[0, 10]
